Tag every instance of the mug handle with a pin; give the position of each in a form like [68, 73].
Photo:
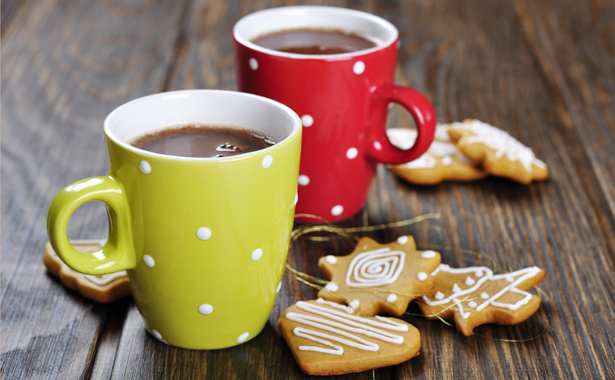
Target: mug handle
[380, 148]
[118, 254]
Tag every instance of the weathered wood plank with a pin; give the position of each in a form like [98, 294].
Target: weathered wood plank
[573, 43]
[65, 66]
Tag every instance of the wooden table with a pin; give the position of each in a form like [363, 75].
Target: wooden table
[542, 70]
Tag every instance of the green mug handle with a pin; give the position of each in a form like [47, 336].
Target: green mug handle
[118, 254]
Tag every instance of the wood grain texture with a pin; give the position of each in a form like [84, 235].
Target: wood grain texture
[543, 71]
[66, 65]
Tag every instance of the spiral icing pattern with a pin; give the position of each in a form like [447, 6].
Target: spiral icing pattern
[375, 268]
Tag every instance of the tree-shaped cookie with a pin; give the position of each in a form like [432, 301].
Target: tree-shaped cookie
[499, 153]
[442, 161]
[331, 339]
[377, 278]
[474, 296]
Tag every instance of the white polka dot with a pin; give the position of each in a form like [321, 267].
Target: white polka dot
[147, 259]
[428, 254]
[156, 334]
[359, 67]
[206, 309]
[145, 168]
[422, 276]
[307, 120]
[257, 254]
[243, 337]
[304, 180]
[331, 259]
[337, 210]
[470, 281]
[296, 199]
[332, 287]
[402, 239]
[352, 153]
[267, 161]
[392, 298]
[377, 145]
[203, 233]
[484, 295]
[456, 288]
[439, 296]
[253, 63]
[447, 161]
[355, 304]
[472, 304]
[279, 287]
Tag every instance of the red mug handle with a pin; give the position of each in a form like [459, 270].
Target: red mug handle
[379, 147]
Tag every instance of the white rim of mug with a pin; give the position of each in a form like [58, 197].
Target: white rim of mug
[367, 16]
[109, 133]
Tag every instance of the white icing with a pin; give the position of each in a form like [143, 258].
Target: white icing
[332, 287]
[501, 141]
[428, 254]
[441, 147]
[442, 132]
[355, 304]
[331, 259]
[402, 239]
[422, 276]
[348, 326]
[517, 277]
[105, 279]
[424, 162]
[391, 298]
[479, 273]
[375, 268]
[510, 278]
[347, 309]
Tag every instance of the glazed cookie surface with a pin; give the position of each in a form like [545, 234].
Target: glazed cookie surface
[330, 339]
[105, 288]
[499, 153]
[442, 161]
[474, 296]
[377, 278]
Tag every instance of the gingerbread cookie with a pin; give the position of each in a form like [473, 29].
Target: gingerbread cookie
[474, 296]
[442, 161]
[377, 278]
[331, 339]
[499, 153]
[105, 288]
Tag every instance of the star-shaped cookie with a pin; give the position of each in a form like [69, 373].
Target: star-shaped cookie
[442, 161]
[474, 296]
[499, 153]
[331, 339]
[377, 278]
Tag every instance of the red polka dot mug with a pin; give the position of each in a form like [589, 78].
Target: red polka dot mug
[342, 100]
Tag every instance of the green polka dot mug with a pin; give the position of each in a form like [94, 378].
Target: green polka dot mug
[204, 240]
